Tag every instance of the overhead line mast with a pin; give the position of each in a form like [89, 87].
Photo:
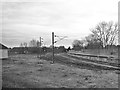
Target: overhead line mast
[53, 42]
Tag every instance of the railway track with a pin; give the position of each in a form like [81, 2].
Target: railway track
[81, 62]
[95, 59]
[78, 62]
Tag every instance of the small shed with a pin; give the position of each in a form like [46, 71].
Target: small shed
[3, 51]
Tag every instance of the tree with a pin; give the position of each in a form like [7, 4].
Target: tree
[38, 43]
[23, 44]
[93, 42]
[68, 49]
[61, 49]
[105, 33]
[33, 43]
[77, 44]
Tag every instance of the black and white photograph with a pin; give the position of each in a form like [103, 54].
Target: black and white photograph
[65, 44]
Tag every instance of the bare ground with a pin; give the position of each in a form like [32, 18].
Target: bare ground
[27, 71]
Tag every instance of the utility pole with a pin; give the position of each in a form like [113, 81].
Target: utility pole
[53, 47]
[53, 42]
[40, 46]
[40, 41]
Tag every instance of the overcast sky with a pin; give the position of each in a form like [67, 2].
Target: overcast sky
[23, 20]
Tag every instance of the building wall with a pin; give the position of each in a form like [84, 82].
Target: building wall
[3, 53]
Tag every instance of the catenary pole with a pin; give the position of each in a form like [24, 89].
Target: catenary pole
[40, 47]
[53, 47]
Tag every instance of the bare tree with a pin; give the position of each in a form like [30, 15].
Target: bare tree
[38, 43]
[33, 43]
[21, 45]
[92, 41]
[105, 33]
[24, 44]
[77, 43]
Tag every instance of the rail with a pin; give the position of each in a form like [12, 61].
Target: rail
[90, 55]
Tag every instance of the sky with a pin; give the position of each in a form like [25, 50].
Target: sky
[24, 20]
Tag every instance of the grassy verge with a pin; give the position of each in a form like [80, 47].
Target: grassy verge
[28, 71]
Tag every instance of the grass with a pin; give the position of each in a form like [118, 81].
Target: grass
[104, 52]
[27, 71]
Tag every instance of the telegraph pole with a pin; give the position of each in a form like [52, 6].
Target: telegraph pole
[53, 47]
[53, 42]
[40, 46]
[40, 41]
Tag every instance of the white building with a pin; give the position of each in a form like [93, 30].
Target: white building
[3, 51]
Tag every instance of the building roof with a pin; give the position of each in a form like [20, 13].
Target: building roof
[3, 46]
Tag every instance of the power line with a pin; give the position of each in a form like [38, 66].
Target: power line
[60, 38]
